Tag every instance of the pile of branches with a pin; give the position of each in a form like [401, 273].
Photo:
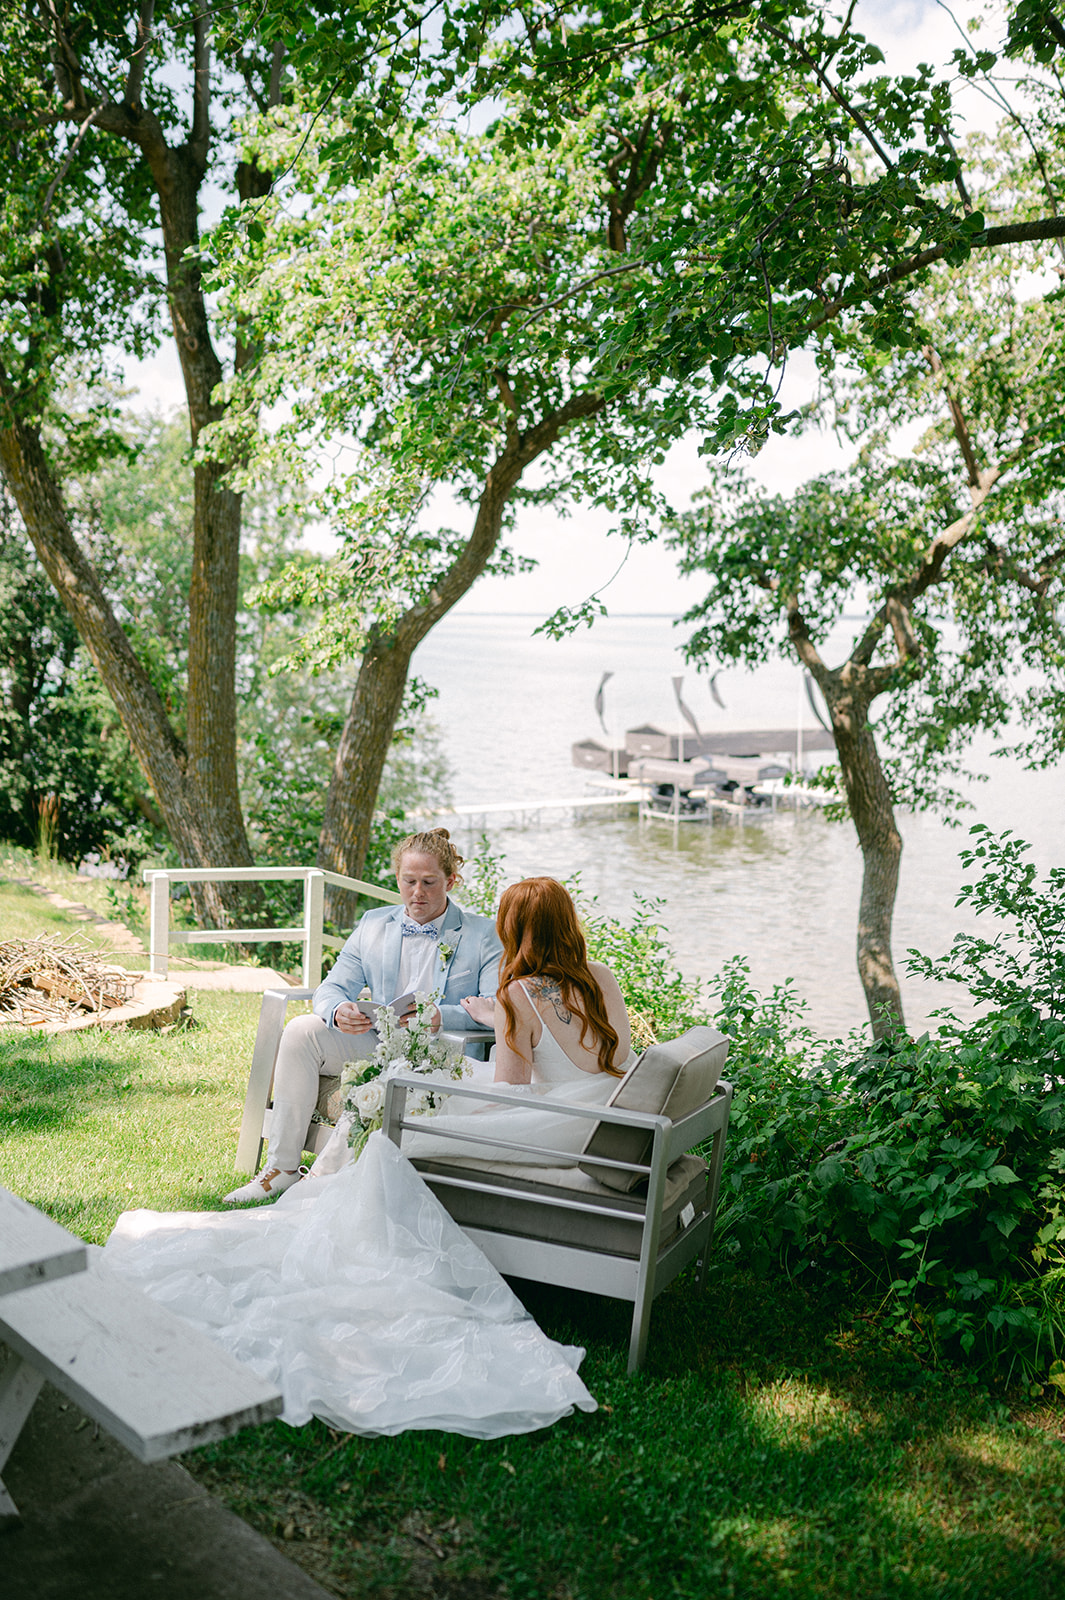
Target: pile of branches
[50, 979]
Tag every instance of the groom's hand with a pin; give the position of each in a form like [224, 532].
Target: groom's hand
[349, 1019]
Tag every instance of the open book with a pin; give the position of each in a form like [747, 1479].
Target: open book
[402, 1005]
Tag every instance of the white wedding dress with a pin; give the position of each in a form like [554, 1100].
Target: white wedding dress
[360, 1297]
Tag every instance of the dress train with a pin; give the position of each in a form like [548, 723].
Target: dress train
[363, 1301]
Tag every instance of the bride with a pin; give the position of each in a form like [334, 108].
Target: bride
[356, 1293]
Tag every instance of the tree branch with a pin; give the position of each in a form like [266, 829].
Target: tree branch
[959, 181]
[510, 406]
[989, 238]
[865, 649]
[1039, 586]
[139, 59]
[901, 624]
[585, 283]
[642, 174]
[837, 94]
[71, 153]
[277, 61]
[805, 648]
[201, 89]
[952, 536]
[65, 63]
[957, 418]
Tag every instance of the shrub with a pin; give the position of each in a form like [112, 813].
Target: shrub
[640, 956]
[932, 1170]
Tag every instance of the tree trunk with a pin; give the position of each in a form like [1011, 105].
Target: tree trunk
[195, 828]
[378, 695]
[359, 762]
[196, 787]
[211, 704]
[869, 799]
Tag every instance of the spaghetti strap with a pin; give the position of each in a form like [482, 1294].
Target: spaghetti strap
[549, 1043]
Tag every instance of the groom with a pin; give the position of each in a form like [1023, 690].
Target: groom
[426, 945]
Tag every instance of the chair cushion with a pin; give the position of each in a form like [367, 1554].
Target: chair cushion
[527, 1212]
[671, 1079]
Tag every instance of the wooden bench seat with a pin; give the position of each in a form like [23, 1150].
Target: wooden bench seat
[159, 1386]
[33, 1248]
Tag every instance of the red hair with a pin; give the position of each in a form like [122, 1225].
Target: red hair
[542, 937]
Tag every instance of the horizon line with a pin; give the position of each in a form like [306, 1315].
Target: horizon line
[844, 616]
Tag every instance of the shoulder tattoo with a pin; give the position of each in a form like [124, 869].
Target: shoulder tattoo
[550, 989]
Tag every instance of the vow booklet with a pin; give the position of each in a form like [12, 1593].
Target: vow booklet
[402, 1005]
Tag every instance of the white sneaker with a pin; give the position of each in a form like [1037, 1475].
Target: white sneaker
[267, 1186]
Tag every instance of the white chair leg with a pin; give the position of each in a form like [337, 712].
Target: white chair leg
[652, 1227]
[641, 1325]
[704, 1253]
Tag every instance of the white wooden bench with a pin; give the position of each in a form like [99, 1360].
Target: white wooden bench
[33, 1248]
[159, 1386]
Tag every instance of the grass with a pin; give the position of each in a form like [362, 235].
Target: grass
[774, 1445]
[99, 894]
[24, 915]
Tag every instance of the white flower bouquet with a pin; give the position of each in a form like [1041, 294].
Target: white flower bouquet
[409, 1049]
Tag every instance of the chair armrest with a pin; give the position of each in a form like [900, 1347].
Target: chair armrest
[394, 1122]
[275, 1003]
[702, 1123]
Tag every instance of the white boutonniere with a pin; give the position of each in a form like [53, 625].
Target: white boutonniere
[446, 951]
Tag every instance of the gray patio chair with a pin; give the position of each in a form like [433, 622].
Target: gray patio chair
[625, 1217]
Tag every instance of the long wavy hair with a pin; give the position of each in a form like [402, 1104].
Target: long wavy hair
[542, 937]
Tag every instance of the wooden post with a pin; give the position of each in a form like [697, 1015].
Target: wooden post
[313, 913]
[159, 938]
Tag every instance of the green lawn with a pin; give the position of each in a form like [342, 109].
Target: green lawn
[773, 1446]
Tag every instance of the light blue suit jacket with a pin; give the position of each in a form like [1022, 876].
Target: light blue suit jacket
[370, 959]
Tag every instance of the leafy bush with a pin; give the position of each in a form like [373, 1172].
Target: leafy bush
[640, 956]
[637, 952]
[932, 1169]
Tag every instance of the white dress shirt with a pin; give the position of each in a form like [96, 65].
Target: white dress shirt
[419, 962]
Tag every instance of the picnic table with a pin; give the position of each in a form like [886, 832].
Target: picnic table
[156, 1384]
[33, 1248]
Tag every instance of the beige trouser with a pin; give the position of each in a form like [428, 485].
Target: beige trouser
[310, 1049]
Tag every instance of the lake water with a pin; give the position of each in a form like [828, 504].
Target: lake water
[782, 891]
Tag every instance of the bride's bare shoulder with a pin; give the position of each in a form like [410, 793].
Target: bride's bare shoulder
[518, 990]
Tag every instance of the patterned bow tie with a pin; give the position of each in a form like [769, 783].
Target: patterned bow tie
[420, 930]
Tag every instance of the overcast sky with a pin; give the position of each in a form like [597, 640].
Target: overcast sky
[576, 556]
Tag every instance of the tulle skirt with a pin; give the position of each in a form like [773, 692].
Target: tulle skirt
[364, 1303]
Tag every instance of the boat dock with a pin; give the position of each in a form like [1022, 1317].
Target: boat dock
[620, 794]
[526, 811]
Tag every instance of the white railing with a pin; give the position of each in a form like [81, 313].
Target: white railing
[309, 934]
